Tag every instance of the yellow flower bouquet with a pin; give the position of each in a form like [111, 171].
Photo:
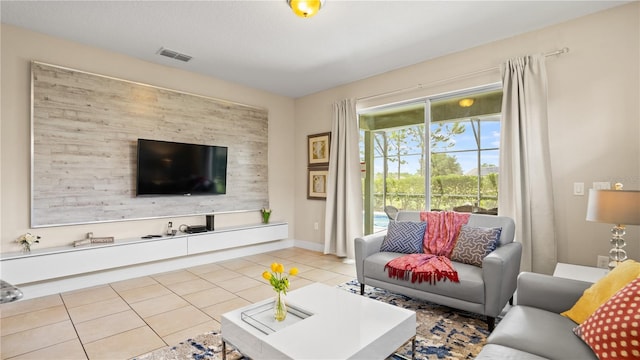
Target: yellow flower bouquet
[279, 280]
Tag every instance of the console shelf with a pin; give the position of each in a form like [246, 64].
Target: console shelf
[64, 261]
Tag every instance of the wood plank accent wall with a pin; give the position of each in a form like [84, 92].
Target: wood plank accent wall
[85, 129]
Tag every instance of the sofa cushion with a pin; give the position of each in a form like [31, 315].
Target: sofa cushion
[493, 352]
[404, 237]
[470, 288]
[540, 332]
[602, 290]
[613, 330]
[374, 268]
[474, 244]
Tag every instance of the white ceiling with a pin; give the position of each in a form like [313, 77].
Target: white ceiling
[263, 45]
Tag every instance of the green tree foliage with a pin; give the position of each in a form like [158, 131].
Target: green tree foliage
[442, 133]
[445, 164]
[447, 191]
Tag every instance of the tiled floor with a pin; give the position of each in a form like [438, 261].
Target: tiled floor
[129, 318]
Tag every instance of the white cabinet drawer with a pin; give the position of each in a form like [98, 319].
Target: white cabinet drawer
[218, 240]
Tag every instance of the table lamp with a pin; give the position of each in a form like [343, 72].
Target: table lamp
[618, 207]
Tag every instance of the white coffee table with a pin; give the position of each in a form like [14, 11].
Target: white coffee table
[342, 325]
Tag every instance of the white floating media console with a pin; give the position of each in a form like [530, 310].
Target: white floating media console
[65, 268]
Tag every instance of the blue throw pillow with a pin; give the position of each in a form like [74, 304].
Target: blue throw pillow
[474, 244]
[404, 237]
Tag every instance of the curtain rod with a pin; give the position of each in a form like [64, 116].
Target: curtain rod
[477, 72]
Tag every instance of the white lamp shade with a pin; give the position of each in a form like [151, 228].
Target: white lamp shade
[620, 207]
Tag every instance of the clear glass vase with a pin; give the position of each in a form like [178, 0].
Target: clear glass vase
[280, 307]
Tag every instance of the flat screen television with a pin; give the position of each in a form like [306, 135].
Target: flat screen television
[172, 168]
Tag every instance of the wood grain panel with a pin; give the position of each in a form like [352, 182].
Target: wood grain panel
[85, 129]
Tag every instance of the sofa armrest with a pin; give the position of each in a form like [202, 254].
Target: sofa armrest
[364, 247]
[549, 293]
[500, 273]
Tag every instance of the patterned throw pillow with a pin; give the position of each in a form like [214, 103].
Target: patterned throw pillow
[474, 243]
[613, 330]
[602, 291]
[404, 237]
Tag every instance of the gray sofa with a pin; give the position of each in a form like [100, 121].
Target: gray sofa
[484, 290]
[534, 328]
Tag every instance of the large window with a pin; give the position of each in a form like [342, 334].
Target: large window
[449, 145]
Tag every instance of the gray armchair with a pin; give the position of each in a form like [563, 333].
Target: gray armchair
[484, 290]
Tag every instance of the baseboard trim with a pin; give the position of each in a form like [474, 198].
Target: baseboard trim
[314, 246]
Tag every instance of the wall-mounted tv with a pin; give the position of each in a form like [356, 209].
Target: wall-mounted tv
[172, 168]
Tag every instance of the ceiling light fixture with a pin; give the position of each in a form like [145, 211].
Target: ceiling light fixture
[305, 8]
[466, 102]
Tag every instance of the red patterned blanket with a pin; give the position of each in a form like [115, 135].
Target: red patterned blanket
[434, 265]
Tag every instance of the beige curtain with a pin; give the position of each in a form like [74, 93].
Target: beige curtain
[525, 188]
[343, 216]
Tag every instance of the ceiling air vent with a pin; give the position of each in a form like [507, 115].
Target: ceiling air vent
[174, 54]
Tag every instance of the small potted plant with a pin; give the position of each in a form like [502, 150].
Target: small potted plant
[266, 213]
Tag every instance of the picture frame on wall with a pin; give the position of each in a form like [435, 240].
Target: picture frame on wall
[318, 149]
[317, 183]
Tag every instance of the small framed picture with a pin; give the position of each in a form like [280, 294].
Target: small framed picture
[317, 183]
[318, 149]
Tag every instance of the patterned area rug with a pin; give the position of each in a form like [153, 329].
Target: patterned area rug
[442, 332]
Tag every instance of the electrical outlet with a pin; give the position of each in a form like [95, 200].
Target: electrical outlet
[603, 262]
[315, 226]
[601, 185]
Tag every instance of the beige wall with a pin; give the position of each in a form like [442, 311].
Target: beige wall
[594, 116]
[19, 47]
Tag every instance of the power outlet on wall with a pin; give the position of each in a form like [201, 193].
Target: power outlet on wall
[603, 262]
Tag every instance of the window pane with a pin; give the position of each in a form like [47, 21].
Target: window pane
[462, 153]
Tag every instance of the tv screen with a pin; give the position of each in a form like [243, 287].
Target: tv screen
[171, 168]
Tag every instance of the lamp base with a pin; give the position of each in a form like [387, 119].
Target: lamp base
[617, 254]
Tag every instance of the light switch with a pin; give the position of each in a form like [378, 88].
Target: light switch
[578, 188]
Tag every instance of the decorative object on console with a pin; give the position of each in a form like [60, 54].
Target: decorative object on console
[170, 230]
[618, 207]
[27, 240]
[211, 222]
[93, 240]
[193, 229]
[305, 8]
[266, 213]
[280, 281]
